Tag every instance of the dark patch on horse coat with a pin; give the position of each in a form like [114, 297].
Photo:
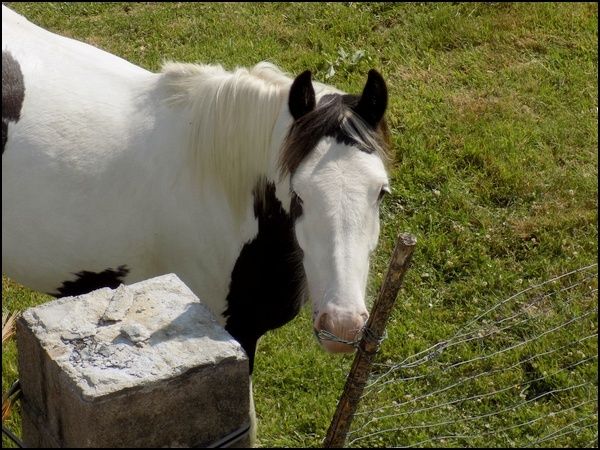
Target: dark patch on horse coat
[268, 282]
[13, 93]
[295, 207]
[90, 281]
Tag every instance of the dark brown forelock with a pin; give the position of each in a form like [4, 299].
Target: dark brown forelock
[325, 120]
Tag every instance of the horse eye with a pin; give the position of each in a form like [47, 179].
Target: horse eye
[384, 190]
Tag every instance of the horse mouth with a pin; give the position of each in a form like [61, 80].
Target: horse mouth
[333, 344]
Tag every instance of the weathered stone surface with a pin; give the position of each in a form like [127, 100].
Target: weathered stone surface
[141, 366]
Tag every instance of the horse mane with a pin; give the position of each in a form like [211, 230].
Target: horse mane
[234, 115]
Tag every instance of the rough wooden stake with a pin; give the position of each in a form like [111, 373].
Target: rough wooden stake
[369, 344]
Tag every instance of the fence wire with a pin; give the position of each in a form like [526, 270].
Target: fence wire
[523, 373]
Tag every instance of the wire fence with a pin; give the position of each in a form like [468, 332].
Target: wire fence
[524, 373]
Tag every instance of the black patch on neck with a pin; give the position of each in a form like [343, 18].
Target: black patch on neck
[326, 121]
[267, 287]
[90, 281]
[13, 93]
[295, 207]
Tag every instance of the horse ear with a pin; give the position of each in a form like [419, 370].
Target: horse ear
[373, 101]
[302, 95]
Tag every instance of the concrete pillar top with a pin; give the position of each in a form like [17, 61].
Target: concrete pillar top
[108, 340]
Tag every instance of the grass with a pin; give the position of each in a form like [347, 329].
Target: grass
[493, 110]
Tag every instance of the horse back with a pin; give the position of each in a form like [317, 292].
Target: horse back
[66, 86]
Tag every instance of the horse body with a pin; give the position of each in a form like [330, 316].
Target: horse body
[77, 151]
[112, 174]
[97, 186]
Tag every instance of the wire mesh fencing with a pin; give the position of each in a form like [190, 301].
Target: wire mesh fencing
[523, 373]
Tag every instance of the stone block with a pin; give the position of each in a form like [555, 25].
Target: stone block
[145, 365]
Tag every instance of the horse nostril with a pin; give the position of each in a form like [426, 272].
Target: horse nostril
[365, 317]
[322, 325]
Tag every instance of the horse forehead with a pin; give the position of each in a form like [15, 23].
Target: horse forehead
[334, 162]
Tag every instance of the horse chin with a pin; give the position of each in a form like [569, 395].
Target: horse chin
[336, 347]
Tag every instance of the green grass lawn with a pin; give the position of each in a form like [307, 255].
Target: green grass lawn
[493, 111]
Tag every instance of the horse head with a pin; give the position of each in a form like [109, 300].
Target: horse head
[334, 153]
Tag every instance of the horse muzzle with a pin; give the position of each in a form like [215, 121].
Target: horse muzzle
[339, 333]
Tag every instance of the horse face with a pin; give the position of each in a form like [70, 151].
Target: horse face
[338, 180]
[340, 188]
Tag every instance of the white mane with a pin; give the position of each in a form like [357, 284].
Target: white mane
[234, 115]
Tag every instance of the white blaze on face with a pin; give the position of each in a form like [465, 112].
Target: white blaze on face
[340, 188]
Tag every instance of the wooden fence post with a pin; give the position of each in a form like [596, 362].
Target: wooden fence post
[369, 344]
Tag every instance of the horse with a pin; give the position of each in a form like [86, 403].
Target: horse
[259, 190]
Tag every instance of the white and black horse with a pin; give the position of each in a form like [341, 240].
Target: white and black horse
[256, 189]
